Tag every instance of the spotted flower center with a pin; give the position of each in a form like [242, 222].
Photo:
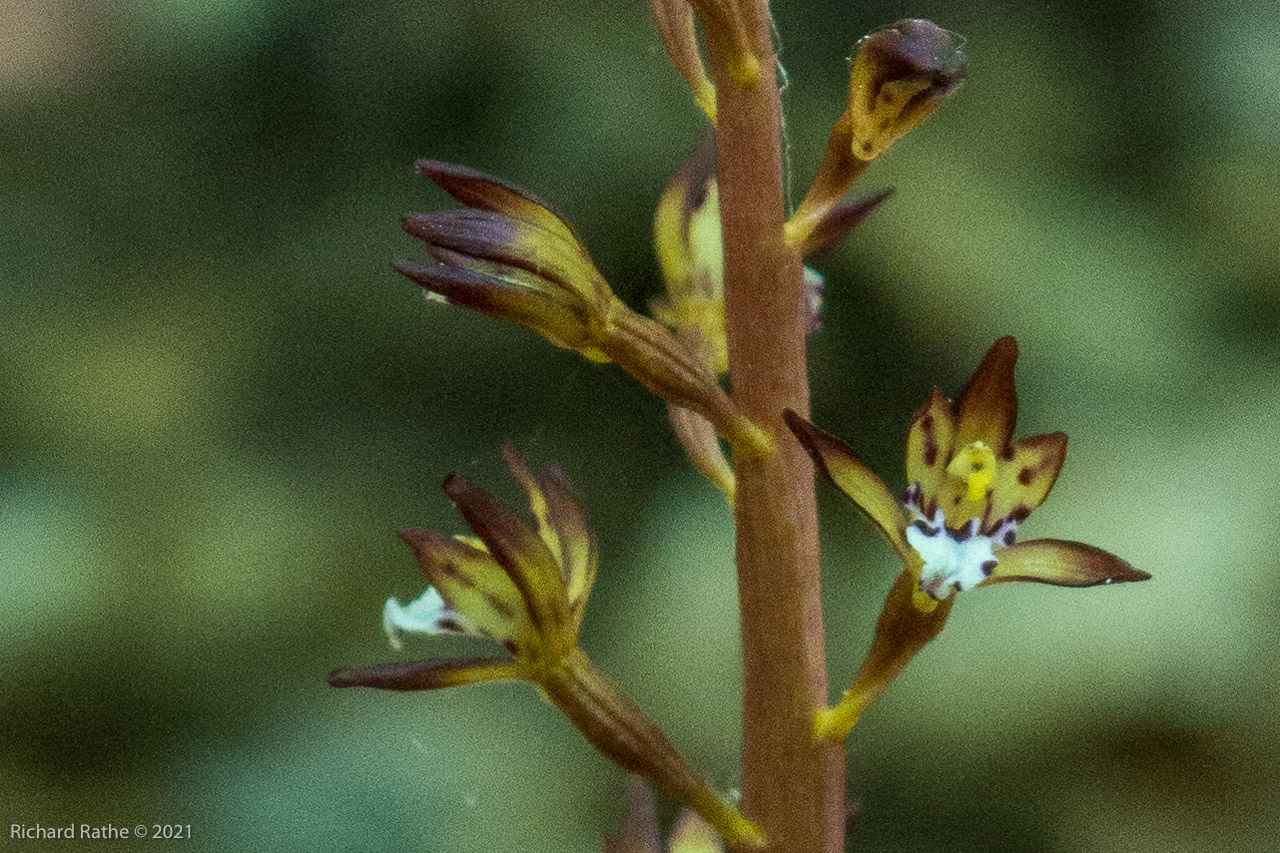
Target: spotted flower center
[955, 559]
[975, 465]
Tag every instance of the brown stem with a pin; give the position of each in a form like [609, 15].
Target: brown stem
[792, 786]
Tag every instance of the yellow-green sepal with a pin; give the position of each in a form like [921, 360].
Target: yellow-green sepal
[853, 477]
[426, 674]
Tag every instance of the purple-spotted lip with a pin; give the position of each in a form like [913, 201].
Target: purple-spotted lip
[1003, 532]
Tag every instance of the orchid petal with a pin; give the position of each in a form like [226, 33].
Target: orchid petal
[473, 584]
[429, 613]
[855, 479]
[1023, 482]
[929, 442]
[987, 409]
[1061, 563]
[561, 526]
[486, 192]
[537, 502]
[484, 235]
[686, 222]
[426, 674]
[504, 293]
[522, 554]
[687, 240]
[578, 546]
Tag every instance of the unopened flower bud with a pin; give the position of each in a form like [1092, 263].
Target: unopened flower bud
[899, 76]
[675, 27]
[506, 254]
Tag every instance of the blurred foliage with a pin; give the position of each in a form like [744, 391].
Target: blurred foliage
[217, 404]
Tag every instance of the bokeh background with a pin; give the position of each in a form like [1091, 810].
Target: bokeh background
[218, 404]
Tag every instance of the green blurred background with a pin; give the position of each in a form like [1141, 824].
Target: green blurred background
[218, 404]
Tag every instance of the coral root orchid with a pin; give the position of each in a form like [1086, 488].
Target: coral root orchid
[969, 487]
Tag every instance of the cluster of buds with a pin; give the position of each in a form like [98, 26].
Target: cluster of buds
[969, 487]
[525, 587]
[506, 254]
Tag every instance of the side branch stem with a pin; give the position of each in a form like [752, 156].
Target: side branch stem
[793, 787]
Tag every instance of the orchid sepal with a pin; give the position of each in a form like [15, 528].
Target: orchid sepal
[485, 192]
[432, 674]
[1060, 562]
[834, 223]
[855, 478]
[898, 77]
[987, 409]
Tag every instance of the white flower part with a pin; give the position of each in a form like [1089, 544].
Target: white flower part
[815, 284]
[953, 559]
[426, 614]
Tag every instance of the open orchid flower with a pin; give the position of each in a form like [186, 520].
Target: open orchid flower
[969, 488]
[525, 587]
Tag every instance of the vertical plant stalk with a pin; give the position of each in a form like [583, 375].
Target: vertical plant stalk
[792, 786]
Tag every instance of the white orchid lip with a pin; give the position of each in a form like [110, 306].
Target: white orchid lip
[955, 559]
[426, 614]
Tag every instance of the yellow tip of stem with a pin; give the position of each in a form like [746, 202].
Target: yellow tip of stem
[724, 817]
[797, 229]
[750, 440]
[834, 724]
